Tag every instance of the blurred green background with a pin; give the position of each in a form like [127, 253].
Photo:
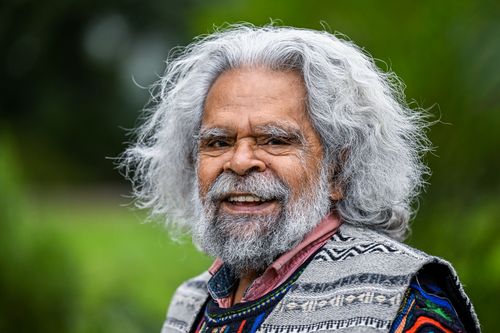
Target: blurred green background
[75, 258]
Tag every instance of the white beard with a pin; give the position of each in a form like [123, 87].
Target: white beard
[249, 242]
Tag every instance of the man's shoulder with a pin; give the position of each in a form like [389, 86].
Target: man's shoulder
[357, 257]
[363, 250]
[191, 290]
[197, 284]
[187, 301]
[350, 241]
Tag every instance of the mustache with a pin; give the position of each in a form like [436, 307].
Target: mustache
[266, 186]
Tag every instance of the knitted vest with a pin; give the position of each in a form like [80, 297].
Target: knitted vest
[355, 283]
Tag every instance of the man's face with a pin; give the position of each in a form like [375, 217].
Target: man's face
[259, 158]
[255, 120]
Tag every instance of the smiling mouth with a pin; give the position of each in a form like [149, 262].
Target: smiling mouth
[248, 204]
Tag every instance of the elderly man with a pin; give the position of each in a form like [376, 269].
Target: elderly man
[293, 161]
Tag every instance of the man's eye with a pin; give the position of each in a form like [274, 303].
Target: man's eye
[276, 142]
[218, 144]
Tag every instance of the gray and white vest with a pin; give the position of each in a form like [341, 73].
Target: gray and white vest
[355, 283]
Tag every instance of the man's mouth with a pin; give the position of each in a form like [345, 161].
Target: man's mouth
[244, 198]
[246, 203]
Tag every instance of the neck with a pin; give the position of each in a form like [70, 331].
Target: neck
[246, 280]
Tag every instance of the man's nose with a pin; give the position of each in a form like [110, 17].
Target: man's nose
[244, 160]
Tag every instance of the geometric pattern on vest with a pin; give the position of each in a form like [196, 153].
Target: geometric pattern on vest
[187, 301]
[355, 283]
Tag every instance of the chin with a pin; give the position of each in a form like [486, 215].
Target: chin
[249, 227]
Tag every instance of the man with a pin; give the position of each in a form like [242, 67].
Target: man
[294, 161]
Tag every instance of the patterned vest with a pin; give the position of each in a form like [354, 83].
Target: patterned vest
[355, 283]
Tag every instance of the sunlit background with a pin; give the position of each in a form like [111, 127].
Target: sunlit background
[73, 76]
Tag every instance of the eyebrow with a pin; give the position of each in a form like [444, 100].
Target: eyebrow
[211, 133]
[282, 130]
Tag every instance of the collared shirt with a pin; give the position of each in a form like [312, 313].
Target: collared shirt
[223, 282]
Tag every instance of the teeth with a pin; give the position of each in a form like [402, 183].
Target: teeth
[244, 198]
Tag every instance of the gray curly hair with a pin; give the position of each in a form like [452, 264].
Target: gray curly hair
[370, 137]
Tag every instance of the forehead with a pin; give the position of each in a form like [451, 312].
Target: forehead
[255, 96]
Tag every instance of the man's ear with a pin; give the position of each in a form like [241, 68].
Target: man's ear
[336, 192]
[336, 189]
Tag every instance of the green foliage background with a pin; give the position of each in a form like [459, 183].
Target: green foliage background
[74, 259]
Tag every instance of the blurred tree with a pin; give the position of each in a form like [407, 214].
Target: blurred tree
[68, 72]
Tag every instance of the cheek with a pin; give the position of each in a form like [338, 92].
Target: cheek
[299, 172]
[208, 170]
[289, 169]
